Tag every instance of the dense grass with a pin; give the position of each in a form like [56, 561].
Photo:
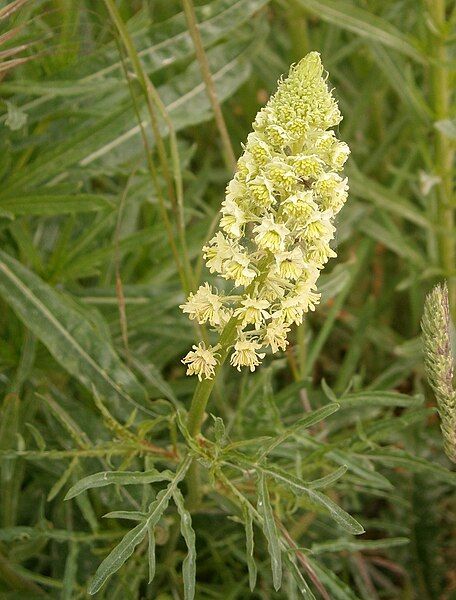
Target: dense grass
[113, 171]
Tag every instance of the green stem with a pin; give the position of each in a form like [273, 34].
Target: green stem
[298, 30]
[228, 152]
[198, 406]
[204, 388]
[444, 148]
[153, 101]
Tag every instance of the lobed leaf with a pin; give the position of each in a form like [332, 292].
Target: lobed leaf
[126, 547]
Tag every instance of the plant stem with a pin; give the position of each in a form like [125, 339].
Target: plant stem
[298, 30]
[198, 406]
[228, 153]
[204, 388]
[444, 148]
[153, 100]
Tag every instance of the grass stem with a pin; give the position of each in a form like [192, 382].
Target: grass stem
[228, 152]
[444, 147]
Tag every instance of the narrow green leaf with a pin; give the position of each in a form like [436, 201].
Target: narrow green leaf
[118, 556]
[118, 478]
[310, 419]
[249, 546]
[69, 576]
[61, 481]
[327, 480]
[303, 587]
[270, 530]
[151, 551]
[39, 440]
[346, 545]
[296, 484]
[129, 515]
[363, 23]
[188, 533]
[338, 588]
[73, 342]
[9, 427]
[378, 399]
[85, 506]
[126, 547]
[341, 517]
[54, 204]
[360, 467]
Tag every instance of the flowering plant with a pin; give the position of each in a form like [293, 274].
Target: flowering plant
[276, 224]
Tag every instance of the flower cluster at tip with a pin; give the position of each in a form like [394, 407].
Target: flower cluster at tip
[277, 222]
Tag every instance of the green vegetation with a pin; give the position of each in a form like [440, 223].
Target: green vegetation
[322, 474]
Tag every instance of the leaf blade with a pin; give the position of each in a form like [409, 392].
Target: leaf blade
[270, 531]
[69, 337]
[105, 478]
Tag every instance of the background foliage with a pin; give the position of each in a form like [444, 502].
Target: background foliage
[92, 337]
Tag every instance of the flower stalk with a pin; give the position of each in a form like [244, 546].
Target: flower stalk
[444, 148]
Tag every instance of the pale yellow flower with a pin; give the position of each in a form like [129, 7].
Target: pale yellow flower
[201, 361]
[246, 354]
[253, 312]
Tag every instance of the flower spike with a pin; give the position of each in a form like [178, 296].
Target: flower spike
[277, 218]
